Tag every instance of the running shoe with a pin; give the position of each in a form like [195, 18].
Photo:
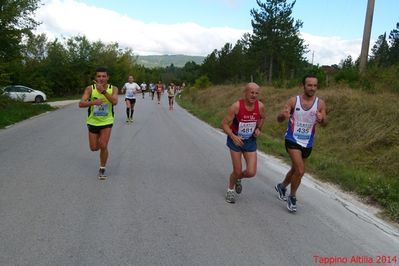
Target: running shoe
[281, 191]
[230, 197]
[291, 203]
[238, 186]
[131, 120]
[127, 120]
[101, 174]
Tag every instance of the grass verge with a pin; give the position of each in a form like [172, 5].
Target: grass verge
[12, 111]
[358, 150]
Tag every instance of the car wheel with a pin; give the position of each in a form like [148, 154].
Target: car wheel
[38, 99]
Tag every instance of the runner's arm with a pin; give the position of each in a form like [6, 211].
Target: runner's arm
[84, 101]
[228, 120]
[285, 113]
[321, 115]
[113, 98]
[259, 126]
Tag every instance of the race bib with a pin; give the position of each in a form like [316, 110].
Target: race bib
[130, 94]
[246, 129]
[303, 131]
[100, 110]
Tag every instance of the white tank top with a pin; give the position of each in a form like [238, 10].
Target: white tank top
[131, 89]
[302, 124]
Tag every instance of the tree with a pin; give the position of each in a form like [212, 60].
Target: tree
[380, 52]
[15, 22]
[394, 43]
[210, 66]
[275, 38]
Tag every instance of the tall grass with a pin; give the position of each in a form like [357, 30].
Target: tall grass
[14, 111]
[358, 150]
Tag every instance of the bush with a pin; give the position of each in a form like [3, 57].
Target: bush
[349, 75]
[319, 74]
[202, 82]
[389, 77]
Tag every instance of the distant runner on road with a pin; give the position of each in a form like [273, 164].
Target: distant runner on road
[159, 90]
[243, 124]
[143, 87]
[152, 90]
[100, 98]
[171, 95]
[130, 88]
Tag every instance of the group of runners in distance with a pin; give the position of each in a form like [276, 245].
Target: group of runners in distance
[242, 124]
[131, 88]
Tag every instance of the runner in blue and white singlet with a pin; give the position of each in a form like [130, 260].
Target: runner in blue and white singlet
[302, 124]
[303, 113]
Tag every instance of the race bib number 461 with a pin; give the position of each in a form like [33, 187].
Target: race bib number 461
[246, 129]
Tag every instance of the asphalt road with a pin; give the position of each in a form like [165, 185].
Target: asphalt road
[163, 203]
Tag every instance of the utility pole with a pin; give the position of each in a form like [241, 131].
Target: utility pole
[366, 35]
[312, 57]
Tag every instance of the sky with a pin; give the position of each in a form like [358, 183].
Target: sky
[332, 29]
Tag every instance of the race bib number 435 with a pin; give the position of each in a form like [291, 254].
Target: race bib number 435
[302, 130]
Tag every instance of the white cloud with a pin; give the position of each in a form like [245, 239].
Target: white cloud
[66, 18]
[69, 18]
[330, 50]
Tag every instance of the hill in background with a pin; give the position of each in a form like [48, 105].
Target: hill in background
[152, 61]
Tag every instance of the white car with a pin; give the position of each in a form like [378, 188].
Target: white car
[23, 93]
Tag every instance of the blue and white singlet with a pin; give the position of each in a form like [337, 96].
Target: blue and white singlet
[302, 124]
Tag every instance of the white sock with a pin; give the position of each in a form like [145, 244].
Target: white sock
[230, 190]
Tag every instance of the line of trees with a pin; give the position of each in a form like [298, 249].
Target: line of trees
[273, 53]
[383, 66]
[65, 66]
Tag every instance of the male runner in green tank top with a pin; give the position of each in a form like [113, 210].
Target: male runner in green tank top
[100, 98]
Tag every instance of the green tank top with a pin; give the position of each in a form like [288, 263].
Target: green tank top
[100, 115]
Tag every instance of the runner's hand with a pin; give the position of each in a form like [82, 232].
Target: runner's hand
[256, 132]
[97, 102]
[237, 140]
[319, 117]
[100, 87]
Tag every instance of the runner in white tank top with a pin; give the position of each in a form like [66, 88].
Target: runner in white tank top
[303, 112]
[130, 88]
[302, 124]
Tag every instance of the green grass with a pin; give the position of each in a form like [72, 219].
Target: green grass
[12, 111]
[69, 97]
[358, 150]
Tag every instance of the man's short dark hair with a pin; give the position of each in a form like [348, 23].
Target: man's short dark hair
[101, 69]
[307, 76]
